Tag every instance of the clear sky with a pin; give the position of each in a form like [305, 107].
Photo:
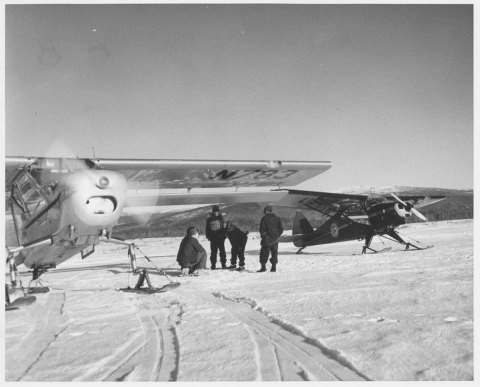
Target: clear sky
[385, 92]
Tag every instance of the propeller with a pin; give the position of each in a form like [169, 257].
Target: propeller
[60, 149]
[412, 209]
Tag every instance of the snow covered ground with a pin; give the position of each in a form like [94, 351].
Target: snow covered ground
[324, 315]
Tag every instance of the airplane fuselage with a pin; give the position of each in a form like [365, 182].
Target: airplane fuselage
[382, 217]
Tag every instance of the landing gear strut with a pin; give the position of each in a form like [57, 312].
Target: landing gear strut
[368, 241]
[12, 269]
[20, 301]
[141, 280]
[133, 265]
[144, 274]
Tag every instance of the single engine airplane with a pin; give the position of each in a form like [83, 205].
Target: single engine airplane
[383, 214]
[59, 207]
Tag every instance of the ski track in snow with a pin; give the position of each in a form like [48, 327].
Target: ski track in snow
[48, 326]
[344, 369]
[152, 353]
[207, 329]
[272, 337]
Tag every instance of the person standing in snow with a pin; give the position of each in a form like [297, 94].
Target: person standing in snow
[191, 254]
[215, 233]
[238, 240]
[271, 227]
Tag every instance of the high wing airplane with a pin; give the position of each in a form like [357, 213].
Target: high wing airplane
[59, 207]
[383, 214]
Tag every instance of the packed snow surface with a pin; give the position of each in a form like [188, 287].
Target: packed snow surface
[327, 314]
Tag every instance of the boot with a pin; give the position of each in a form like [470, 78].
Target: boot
[262, 269]
[213, 266]
[274, 268]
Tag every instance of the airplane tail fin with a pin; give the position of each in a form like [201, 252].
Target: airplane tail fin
[301, 225]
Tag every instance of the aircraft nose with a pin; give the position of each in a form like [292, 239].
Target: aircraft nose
[96, 196]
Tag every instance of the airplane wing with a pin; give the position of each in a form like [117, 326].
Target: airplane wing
[329, 201]
[174, 173]
[208, 174]
[162, 183]
[321, 201]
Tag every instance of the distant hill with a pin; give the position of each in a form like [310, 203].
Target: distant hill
[458, 205]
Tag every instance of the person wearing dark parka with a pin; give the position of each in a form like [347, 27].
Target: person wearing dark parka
[215, 233]
[238, 240]
[191, 255]
[271, 228]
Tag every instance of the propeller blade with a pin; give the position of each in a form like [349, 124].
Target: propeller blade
[398, 199]
[421, 216]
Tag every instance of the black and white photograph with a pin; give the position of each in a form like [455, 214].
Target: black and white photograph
[239, 192]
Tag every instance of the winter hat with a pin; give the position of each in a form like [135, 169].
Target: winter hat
[215, 209]
[267, 209]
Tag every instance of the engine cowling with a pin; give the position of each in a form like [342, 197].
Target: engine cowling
[386, 215]
[404, 211]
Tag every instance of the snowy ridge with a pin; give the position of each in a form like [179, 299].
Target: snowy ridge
[385, 190]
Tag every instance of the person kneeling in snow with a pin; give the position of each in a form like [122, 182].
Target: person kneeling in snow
[238, 240]
[191, 255]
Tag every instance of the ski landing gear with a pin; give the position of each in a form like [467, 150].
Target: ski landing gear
[20, 301]
[143, 273]
[368, 241]
[150, 289]
[395, 237]
[408, 245]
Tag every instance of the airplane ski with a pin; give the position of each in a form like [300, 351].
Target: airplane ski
[19, 302]
[151, 290]
[419, 248]
[375, 251]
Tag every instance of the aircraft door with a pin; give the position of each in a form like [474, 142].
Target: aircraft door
[28, 203]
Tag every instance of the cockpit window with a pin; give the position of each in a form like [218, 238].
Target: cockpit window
[27, 195]
[27, 203]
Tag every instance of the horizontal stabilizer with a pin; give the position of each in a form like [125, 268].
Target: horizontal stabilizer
[290, 238]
